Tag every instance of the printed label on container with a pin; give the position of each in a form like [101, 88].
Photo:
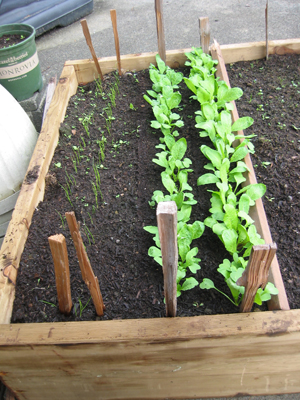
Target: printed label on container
[19, 69]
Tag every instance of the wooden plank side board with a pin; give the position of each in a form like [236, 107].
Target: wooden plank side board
[256, 50]
[32, 191]
[154, 359]
[257, 213]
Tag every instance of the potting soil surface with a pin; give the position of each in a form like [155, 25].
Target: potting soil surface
[112, 220]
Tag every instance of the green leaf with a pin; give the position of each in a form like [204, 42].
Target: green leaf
[194, 268]
[256, 191]
[169, 140]
[184, 214]
[241, 124]
[179, 148]
[208, 111]
[168, 182]
[189, 283]
[207, 179]
[202, 95]
[239, 154]
[155, 125]
[178, 198]
[226, 95]
[230, 218]
[197, 229]
[151, 229]
[230, 237]
[174, 100]
[225, 268]
[154, 252]
[190, 85]
[207, 284]
[212, 155]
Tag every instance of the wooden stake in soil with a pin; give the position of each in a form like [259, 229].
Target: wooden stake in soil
[267, 33]
[160, 29]
[59, 253]
[113, 16]
[166, 214]
[88, 39]
[204, 34]
[86, 270]
[256, 273]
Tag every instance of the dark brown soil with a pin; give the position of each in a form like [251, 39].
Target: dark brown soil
[131, 282]
[10, 40]
[272, 98]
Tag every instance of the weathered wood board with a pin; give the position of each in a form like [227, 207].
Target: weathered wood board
[221, 355]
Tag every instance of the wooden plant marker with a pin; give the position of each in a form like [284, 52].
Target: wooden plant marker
[88, 39]
[204, 34]
[113, 16]
[166, 214]
[267, 33]
[160, 29]
[256, 273]
[86, 270]
[59, 253]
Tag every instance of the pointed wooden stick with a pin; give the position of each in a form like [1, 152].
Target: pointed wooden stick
[113, 16]
[86, 270]
[204, 34]
[166, 214]
[88, 39]
[59, 253]
[160, 30]
[267, 33]
[256, 273]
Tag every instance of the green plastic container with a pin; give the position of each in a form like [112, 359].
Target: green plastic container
[20, 71]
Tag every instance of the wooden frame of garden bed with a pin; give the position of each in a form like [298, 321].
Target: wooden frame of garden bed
[205, 356]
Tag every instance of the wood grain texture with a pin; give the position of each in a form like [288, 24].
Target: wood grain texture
[257, 212]
[160, 29]
[166, 214]
[256, 274]
[88, 39]
[222, 355]
[204, 34]
[113, 16]
[32, 190]
[59, 253]
[85, 266]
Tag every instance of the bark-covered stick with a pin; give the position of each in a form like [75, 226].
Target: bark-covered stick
[204, 34]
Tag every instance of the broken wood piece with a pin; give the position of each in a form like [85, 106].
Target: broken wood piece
[166, 214]
[86, 270]
[50, 91]
[88, 39]
[160, 29]
[59, 253]
[256, 273]
[204, 34]
[267, 33]
[113, 16]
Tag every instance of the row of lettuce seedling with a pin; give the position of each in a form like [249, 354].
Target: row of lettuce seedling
[164, 98]
[230, 203]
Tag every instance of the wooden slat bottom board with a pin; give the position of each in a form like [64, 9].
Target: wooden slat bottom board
[255, 353]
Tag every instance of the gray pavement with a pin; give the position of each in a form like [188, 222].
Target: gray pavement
[231, 21]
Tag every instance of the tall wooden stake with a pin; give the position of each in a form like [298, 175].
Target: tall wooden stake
[160, 29]
[88, 39]
[59, 253]
[267, 33]
[86, 270]
[166, 214]
[256, 273]
[113, 16]
[204, 34]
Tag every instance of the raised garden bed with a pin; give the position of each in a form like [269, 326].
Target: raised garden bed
[156, 356]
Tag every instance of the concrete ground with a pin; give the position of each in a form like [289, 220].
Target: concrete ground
[231, 21]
